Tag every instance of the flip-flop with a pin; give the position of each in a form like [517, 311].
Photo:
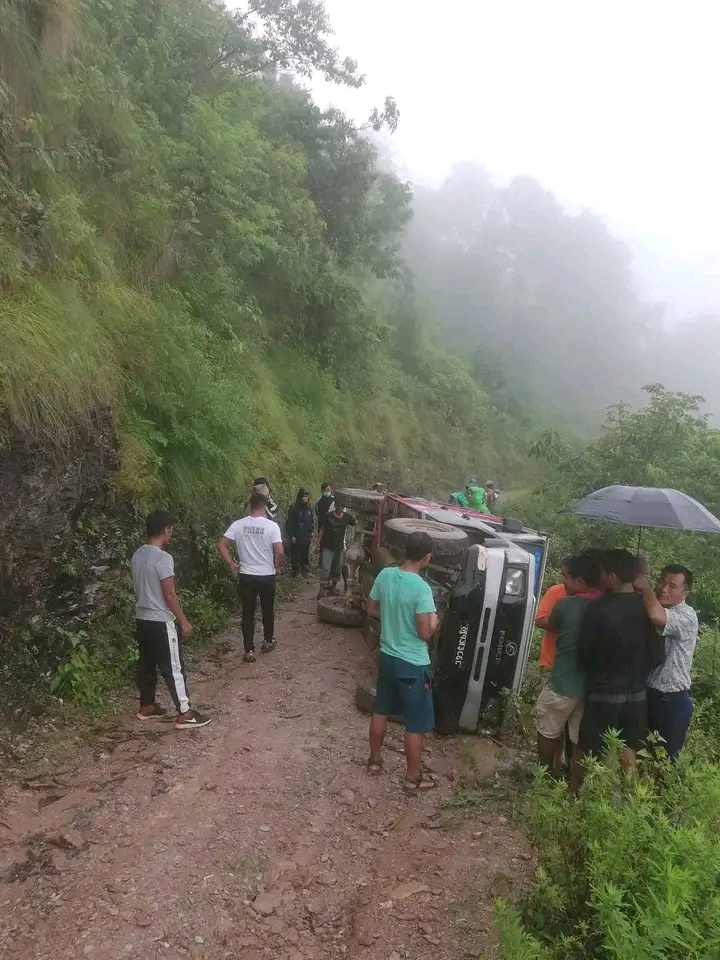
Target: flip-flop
[374, 769]
[425, 783]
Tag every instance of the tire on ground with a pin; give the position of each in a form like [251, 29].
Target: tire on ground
[371, 633]
[365, 698]
[448, 543]
[334, 610]
[354, 499]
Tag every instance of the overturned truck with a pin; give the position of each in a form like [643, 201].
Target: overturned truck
[486, 576]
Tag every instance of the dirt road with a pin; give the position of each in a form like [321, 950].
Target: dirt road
[260, 836]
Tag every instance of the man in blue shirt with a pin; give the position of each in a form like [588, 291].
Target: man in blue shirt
[403, 601]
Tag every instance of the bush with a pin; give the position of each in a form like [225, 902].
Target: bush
[628, 870]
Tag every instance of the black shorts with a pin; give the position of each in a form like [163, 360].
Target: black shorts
[624, 710]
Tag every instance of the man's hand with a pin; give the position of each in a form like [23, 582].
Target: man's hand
[185, 626]
[654, 609]
[435, 621]
[293, 540]
[223, 548]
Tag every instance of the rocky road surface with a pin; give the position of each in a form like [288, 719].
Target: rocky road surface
[260, 836]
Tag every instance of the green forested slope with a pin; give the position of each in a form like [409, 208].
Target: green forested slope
[186, 238]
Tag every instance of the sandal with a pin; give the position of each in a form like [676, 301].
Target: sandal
[424, 783]
[374, 769]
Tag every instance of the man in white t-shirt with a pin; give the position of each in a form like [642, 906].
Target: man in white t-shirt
[259, 547]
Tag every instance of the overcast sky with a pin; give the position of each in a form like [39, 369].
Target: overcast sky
[611, 105]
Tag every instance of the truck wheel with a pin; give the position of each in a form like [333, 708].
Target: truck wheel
[354, 499]
[448, 543]
[365, 698]
[334, 610]
[371, 633]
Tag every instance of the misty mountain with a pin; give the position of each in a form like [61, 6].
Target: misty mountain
[548, 296]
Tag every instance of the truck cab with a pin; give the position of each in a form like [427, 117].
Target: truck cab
[486, 594]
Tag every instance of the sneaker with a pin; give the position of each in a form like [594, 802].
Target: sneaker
[154, 712]
[249, 656]
[268, 645]
[191, 720]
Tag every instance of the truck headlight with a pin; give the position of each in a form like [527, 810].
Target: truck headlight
[514, 582]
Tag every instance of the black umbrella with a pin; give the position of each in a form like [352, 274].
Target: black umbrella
[647, 507]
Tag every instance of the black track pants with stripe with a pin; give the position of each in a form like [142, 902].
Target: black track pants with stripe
[160, 649]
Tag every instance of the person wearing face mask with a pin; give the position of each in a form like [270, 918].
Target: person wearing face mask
[669, 696]
[322, 507]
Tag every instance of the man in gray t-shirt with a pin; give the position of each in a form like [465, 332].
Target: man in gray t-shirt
[160, 624]
[669, 697]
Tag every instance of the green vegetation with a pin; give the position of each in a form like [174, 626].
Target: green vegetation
[186, 238]
[667, 443]
[630, 869]
[188, 242]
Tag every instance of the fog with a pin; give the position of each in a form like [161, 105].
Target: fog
[611, 108]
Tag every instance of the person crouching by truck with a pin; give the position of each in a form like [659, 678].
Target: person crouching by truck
[299, 529]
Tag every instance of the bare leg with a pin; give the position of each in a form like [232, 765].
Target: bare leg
[559, 758]
[413, 751]
[547, 751]
[576, 756]
[378, 726]
[628, 760]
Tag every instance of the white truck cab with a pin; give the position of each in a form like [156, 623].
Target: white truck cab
[487, 615]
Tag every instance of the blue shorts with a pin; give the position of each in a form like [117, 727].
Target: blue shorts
[405, 690]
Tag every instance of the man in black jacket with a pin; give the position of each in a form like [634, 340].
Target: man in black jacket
[618, 648]
[299, 530]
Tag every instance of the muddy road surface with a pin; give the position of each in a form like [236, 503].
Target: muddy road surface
[259, 836]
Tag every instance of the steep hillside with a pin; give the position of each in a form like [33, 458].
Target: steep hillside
[199, 273]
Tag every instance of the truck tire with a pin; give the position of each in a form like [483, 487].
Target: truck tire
[361, 500]
[365, 698]
[334, 610]
[448, 543]
[371, 633]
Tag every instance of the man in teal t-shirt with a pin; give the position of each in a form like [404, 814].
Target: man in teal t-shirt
[404, 602]
[562, 701]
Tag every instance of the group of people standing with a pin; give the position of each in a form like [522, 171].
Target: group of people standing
[616, 655]
[332, 523]
[476, 497]
[253, 550]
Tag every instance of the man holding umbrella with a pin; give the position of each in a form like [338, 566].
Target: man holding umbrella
[669, 700]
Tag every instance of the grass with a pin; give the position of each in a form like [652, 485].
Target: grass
[56, 364]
